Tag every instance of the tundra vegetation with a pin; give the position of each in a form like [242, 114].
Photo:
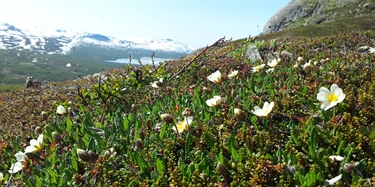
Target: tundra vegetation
[302, 116]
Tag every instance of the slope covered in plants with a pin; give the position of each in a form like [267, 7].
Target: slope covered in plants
[195, 122]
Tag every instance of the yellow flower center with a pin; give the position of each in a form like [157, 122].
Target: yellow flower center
[332, 97]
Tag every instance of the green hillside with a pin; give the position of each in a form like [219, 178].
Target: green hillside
[120, 129]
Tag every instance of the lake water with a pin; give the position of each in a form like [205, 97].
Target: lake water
[144, 60]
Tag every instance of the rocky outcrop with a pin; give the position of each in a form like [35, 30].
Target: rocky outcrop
[306, 12]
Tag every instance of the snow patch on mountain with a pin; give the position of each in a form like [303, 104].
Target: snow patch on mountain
[62, 41]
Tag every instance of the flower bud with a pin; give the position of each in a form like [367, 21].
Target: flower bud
[38, 130]
[139, 144]
[221, 169]
[83, 155]
[92, 156]
[188, 112]
[44, 115]
[240, 114]
[56, 137]
[134, 107]
[167, 118]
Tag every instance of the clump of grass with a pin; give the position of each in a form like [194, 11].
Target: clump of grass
[112, 132]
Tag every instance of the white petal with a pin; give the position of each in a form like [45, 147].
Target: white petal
[40, 139]
[324, 90]
[336, 158]
[188, 120]
[334, 87]
[329, 105]
[20, 156]
[270, 106]
[34, 142]
[324, 105]
[30, 149]
[60, 110]
[333, 180]
[16, 167]
[322, 97]
[265, 105]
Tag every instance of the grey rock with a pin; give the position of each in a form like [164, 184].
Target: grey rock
[307, 12]
[284, 52]
[253, 53]
[32, 83]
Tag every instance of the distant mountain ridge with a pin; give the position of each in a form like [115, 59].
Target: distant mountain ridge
[308, 12]
[61, 41]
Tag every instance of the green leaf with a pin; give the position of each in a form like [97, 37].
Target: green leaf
[190, 171]
[187, 145]
[208, 140]
[202, 164]
[162, 131]
[69, 124]
[313, 142]
[233, 149]
[141, 162]
[340, 147]
[160, 167]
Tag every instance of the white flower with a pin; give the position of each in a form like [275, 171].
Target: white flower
[330, 98]
[270, 70]
[18, 166]
[372, 50]
[273, 62]
[263, 112]
[156, 84]
[215, 77]
[233, 74]
[295, 65]
[1, 178]
[300, 59]
[183, 125]
[332, 181]
[336, 158]
[60, 110]
[214, 101]
[257, 68]
[306, 65]
[35, 145]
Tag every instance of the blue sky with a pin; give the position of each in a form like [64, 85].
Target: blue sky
[193, 22]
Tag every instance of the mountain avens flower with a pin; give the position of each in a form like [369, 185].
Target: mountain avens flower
[265, 111]
[258, 68]
[270, 70]
[306, 65]
[183, 125]
[274, 62]
[60, 110]
[336, 158]
[215, 77]
[299, 59]
[35, 145]
[330, 98]
[372, 50]
[214, 101]
[20, 164]
[156, 84]
[332, 181]
[233, 74]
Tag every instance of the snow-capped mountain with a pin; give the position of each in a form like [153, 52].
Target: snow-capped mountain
[64, 41]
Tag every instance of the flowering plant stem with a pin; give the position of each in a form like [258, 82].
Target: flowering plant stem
[251, 135]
